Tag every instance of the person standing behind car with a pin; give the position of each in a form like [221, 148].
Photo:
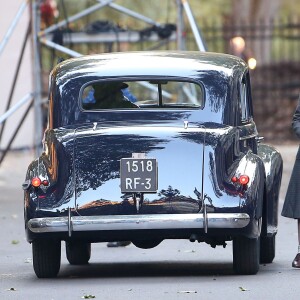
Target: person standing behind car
[291, 206]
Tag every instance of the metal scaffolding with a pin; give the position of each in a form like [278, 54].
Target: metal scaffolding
[44, 38]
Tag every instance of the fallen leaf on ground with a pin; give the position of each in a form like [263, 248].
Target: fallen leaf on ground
[15, 242]
[243, 289]
[88, 297]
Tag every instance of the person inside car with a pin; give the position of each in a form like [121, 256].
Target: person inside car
[108, 95]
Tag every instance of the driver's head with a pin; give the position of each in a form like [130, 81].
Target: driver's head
[104, 90]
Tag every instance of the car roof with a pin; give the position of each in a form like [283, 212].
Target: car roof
[219, 74]
[151, 63]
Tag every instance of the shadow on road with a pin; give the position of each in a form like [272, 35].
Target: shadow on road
[146, 269]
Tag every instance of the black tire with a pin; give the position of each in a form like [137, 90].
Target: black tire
[267, 249]
[146, 244]
[46, 256]
[245, 256]
[78, 253]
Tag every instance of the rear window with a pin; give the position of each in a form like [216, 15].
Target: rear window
[141, 95]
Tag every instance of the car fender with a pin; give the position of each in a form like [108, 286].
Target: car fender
[251, 194]
[55, 166]
[256, 187]
[273, 165]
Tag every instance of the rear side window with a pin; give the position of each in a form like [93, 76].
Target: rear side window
[245, 95]
[244, 103]
[141, 95]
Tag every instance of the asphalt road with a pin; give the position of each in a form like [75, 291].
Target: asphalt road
[173, 270]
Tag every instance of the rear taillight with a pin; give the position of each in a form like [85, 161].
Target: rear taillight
[45, 182]
[243, 179]
[234, 179]
[36, 182]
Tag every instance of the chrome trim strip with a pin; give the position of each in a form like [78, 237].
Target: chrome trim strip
[138, 222]
[242, 138]
[247, 131]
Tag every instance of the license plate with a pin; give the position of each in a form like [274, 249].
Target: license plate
[138, 175]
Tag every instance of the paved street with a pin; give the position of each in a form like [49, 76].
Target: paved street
[173, 270]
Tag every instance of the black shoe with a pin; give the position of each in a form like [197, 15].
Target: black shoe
[118, 244]
[296, 261]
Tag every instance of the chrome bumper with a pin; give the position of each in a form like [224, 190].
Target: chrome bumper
[137, 222]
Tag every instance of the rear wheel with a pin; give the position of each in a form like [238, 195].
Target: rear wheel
[267, 249]
[246, 255]
[78, 253]
[46, 256]
[146, 244]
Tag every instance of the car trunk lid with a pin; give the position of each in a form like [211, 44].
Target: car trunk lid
[177, 150]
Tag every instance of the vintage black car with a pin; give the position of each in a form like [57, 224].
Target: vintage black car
[147, 146]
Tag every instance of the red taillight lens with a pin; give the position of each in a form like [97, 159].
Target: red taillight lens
[234, 179]
[244, 179]
[36, 182]
[45, 182]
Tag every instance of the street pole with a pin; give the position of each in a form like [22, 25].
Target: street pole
[194, 27]
[180, 27]
[37, 75]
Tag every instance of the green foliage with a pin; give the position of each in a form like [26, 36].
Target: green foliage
[289, 7]
[160, 11]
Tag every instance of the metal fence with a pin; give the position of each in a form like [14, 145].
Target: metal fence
[282, 37]
[275, 45]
